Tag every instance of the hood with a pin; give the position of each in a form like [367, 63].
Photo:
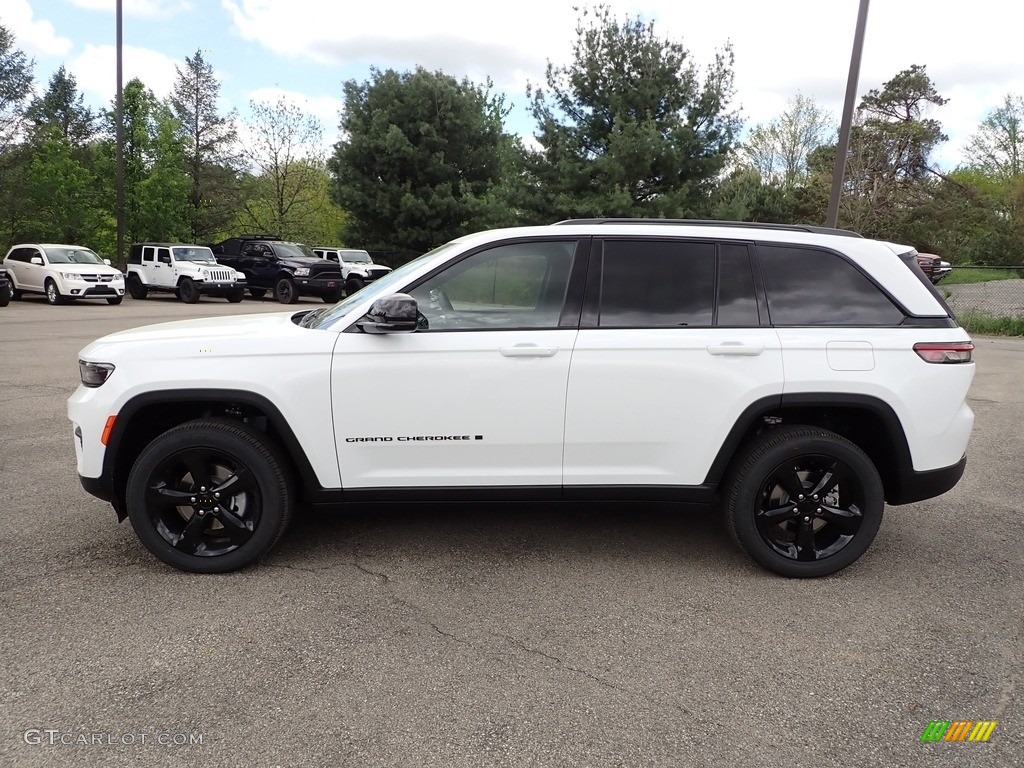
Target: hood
[86, 269]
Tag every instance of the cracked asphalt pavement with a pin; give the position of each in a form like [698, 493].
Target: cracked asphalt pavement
[493, 635]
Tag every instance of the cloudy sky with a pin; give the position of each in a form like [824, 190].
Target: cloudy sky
[305, 49]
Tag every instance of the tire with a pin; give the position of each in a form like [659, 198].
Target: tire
[333, 297]
[135, 287]
[115, 300]
[834, 517]
[5, 296]
[284, 291]
[53, 296]
[210, 534]
[187, 291]
[257, 293]
[235, 295]
[353, 284]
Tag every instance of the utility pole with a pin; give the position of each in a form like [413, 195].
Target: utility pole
[844, 127]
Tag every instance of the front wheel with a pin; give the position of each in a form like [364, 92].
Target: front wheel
[804, 502]
[284, 291]
[5, 296]
[187, 291]
[115, 299]
[333, 297]
[53, 295]
[353, 284]
[235, 295]
[209, 496]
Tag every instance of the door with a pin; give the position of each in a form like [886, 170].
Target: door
[476, 396]
[671, 350]
[148, 264]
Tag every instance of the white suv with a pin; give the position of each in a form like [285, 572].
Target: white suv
[796, 377]
[357, 267]
[187, 271]
[62, 273]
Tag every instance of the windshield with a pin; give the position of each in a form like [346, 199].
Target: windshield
[72, 256]
[356, 257]
[193, 253]
[390, 283]
[294, 250]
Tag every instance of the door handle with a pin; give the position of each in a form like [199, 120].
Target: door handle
[528, 350]
[736, 348]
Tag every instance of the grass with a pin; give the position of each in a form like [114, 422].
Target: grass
[962, 275]
[987, 325]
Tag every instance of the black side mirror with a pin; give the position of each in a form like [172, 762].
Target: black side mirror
[396, 313]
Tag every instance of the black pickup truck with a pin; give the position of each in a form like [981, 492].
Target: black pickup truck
[288, 269]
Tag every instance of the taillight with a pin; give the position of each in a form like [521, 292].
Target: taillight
[944, 351]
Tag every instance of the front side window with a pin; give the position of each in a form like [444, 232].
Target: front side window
[808, 286]
[518, 285]
[164, 255]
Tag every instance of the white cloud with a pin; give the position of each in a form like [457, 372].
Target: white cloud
[147, 9]
[96, 71]
[36, 38]
[326, 109]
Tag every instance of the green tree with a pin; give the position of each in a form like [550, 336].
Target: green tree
[421, 152]
[288, 194]
[156, 188]
[997, 148]
[15, 88]
[778, 150]
[61, 191]
[629, 128]
[63, 108]
[210, 148]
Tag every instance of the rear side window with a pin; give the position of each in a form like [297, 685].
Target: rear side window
[808, 286]
[657, 284]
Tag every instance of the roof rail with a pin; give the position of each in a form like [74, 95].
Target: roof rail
[253, 236]
[717, 223]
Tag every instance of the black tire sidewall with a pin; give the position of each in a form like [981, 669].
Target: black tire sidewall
[775, 450]
[53, 299]
[284, 291]
[188, 292]
[245, 448]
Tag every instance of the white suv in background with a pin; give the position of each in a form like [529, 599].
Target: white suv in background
[187, 271]
[62, 273]
[796, 378]
[357, 267]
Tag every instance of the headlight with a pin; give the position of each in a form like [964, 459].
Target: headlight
[301, 271]
[94, 374]
[239, 277]
[71, 275]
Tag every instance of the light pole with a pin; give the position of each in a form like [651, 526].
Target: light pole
[119, 131]
[844, 128]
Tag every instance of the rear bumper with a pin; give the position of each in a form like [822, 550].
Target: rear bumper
[914, 486]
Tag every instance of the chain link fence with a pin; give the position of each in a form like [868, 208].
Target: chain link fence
[989, 292]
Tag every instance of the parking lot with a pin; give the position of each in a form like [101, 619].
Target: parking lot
[497, 635]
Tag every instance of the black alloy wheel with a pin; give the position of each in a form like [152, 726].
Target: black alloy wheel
[235, 295]
[135, 287]
[187, 291]
[257, 293]
[805, 502]
[5, 295]
[115, 300]
[353, 285]
[209, 496]
[284, 291]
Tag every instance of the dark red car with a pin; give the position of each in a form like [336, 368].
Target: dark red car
[933, 267]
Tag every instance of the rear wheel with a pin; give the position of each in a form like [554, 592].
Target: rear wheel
[235, 295]
[135, 287]
[284, 291]
[209, 496]
[53, 295]
[188, 291]
[804, 502]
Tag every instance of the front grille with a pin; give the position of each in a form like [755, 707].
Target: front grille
[326, 273]
[377, 274]
[98, 278]
[220, 275]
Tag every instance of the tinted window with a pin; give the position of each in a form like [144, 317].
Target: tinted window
[520, 285]
[657, 284]
[806, 286]
[737, 301]
[164, 255]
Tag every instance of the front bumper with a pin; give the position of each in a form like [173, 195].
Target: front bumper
[317, 286]
[84, 289]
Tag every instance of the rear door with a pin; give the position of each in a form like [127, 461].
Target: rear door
[673, 346]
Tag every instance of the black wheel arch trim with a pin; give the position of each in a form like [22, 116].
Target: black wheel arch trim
[903, 484]
[284, 435]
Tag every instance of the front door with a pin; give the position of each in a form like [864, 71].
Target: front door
[477, 395]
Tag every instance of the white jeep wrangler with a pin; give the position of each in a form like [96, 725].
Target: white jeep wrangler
[794, 377]
[187, 271]
[357, 267]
